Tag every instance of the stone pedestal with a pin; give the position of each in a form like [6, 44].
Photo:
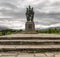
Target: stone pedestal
[30, 27]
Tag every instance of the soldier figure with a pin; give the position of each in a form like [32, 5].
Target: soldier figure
[29, 14]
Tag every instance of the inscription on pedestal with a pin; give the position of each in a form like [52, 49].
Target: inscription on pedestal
[30, 27]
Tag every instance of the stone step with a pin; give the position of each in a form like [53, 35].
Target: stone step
[32, 35]
[29, 43]
[29, 38]
[28, 46]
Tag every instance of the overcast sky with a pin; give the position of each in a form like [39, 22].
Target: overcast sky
[12, 13]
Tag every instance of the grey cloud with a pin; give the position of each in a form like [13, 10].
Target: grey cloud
[56, 4]
[49, 15]
[9, 5]
[17, 11]
[47, 18]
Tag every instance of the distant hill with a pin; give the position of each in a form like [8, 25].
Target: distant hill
[3, 28]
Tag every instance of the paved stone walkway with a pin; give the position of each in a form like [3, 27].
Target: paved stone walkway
[32, 35]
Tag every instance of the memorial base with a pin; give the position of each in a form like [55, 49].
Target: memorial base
[30, 27]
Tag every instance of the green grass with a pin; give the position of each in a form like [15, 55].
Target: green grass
[49, 31]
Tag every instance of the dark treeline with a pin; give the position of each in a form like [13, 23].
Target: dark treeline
[9, 31]
[47, 31]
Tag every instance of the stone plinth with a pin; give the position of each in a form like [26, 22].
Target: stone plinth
[30, 27]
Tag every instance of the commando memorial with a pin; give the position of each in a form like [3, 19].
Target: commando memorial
[30, 26]
[29, 43]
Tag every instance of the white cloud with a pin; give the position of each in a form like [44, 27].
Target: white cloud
[12, 24]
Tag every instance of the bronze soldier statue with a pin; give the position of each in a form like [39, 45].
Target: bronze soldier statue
[29, 25]
[30, 14]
